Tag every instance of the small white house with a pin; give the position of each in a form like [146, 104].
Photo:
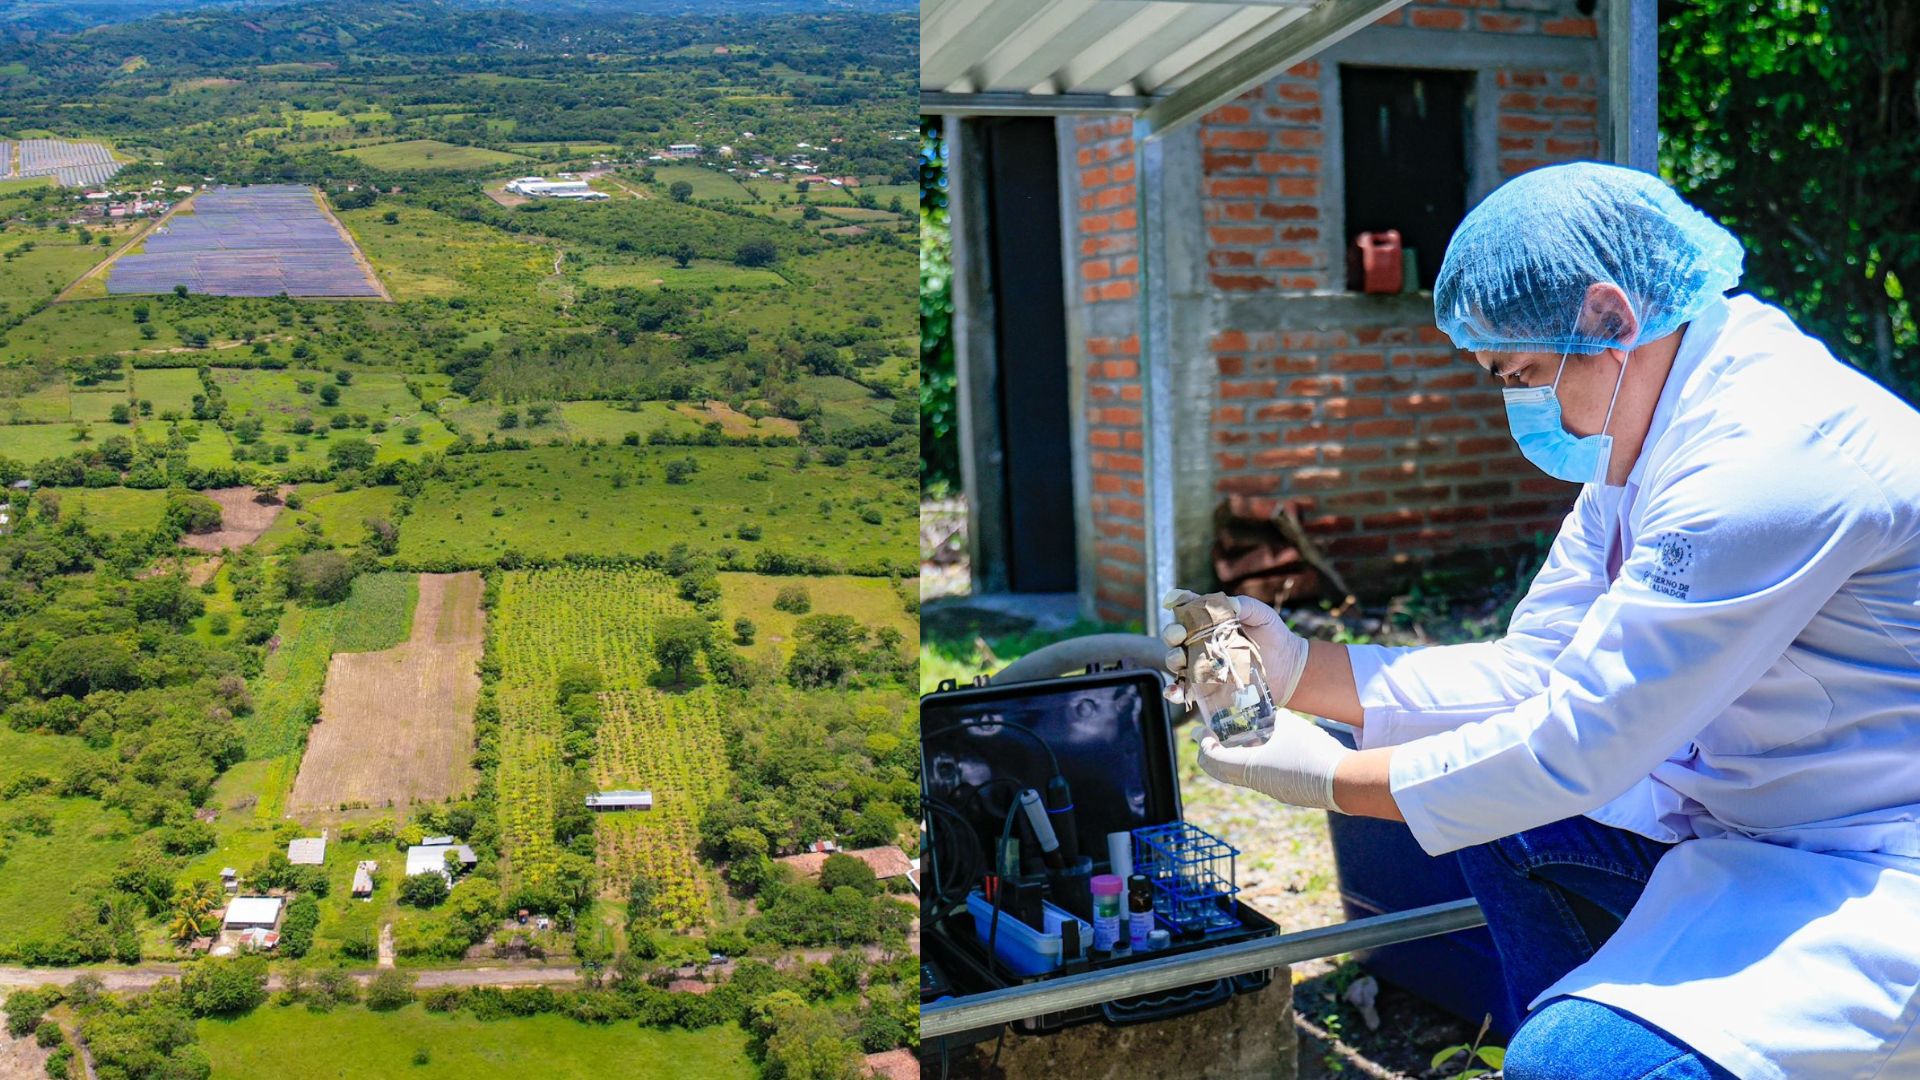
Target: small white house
[308, 851]
[252, 913]
[432, 858]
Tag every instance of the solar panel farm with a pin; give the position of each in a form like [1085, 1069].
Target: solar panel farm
[352, 514]
[264, 240]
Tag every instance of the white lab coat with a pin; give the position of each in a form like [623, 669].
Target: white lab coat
[1747, 683]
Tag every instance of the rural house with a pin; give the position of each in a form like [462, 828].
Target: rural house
[252, 913]
[431, 858]
[363, 877]
[308, 850]
[620, 800]
[1192, 344]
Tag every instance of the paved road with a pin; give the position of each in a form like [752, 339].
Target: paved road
[146, 975]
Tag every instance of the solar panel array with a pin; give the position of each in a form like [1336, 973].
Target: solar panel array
[247, 241]
[72, 164]
[6, 159]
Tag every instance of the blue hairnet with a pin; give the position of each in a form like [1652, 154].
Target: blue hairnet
[1517, 271]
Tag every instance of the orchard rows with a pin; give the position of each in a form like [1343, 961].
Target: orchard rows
[545, 620]
[669, 744]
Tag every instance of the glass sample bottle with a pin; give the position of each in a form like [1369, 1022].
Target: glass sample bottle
[1106, 912]
[1139, 910]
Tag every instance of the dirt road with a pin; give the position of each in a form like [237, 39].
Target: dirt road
[143, 977]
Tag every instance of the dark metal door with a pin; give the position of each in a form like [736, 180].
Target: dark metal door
[1023, 206]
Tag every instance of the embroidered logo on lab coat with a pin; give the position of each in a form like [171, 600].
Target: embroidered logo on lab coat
[1672, 569]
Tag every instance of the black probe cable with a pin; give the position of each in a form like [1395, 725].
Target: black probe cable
[999, 893]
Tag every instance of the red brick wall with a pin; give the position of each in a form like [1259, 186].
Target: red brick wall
[1106, 234]
[1395, 442]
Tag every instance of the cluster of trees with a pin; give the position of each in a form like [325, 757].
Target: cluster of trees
[810, 766]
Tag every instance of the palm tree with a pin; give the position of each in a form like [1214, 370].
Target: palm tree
[193, 903]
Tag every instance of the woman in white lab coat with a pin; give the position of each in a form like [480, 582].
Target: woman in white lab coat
[1686, 784]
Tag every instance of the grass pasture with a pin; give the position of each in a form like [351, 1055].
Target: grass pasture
[28, 277]
[871, 602]
[426, 254]
[571, 420]
[381, 1045]
[429, 155]
[115, 509]
[663, 273]
[554, 501]
[707, 183]
[340, 515]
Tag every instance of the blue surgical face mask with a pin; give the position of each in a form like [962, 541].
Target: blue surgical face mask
[1533, 414]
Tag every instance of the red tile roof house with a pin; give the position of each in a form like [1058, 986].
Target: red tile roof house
[1191, 339]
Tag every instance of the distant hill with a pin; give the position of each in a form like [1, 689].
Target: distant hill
[67, 16]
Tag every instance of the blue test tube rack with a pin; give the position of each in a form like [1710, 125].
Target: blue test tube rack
[1193, 876]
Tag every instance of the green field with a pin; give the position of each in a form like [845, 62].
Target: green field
[707, 183]
[380, 1046]
[42, 873]
[114, 509]
[428, 254]
[341, 515]
[663, 273]
[32, 276]
[429, 155]
[872, 602]
[552, 501]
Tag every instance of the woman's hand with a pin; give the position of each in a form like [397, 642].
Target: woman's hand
[1295, 765]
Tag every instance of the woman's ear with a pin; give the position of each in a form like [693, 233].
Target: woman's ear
[1608, 314]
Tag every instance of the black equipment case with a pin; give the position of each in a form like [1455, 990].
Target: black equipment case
[1111, 733]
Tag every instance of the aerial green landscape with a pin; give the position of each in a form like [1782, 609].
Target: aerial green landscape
[375, 534]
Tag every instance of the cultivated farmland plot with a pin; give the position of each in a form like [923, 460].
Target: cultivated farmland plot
[250, 241]
[667, 743]
[396, 726]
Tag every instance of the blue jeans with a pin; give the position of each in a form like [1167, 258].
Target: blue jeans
[1552, 896]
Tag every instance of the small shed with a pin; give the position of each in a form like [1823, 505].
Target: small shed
[252, 913]
[308, 850]
[229, 879]
[363, 877]
[432, 858]
[620, 800]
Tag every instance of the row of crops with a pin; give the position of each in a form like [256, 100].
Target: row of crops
[546, 620]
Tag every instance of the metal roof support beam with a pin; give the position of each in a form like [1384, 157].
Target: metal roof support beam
[1320, 27]
[1633, 58]
[938, 1019]
[1003, 103]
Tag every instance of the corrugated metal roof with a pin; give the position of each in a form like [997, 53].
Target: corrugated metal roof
[307, 851]
[252, 911]
[1168, 60]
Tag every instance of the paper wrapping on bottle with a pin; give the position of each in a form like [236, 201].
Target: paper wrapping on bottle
[1224, 657]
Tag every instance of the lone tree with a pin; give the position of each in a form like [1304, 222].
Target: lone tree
[756, 253]
[423, 890]
[683, 254]
[677, 643]
[680, 190]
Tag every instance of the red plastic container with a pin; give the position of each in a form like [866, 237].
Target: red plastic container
[1373, 262]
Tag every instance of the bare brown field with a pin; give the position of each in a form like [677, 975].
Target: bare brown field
[396, 727]
[242, 519]
[738, 423]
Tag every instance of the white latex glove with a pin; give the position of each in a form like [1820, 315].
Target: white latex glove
[1283, 653]
[1295, 765]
